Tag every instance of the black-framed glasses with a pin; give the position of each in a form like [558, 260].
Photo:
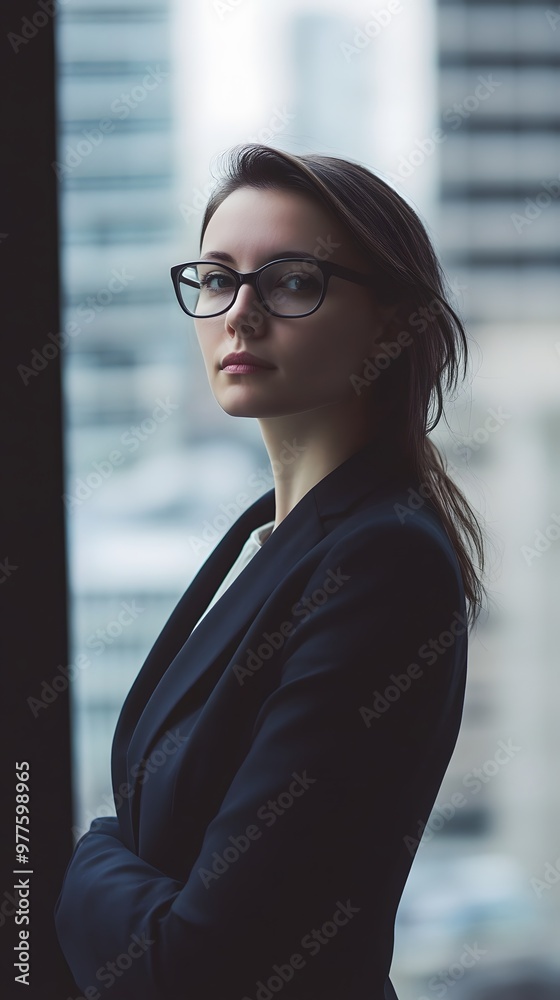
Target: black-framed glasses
[290, 287]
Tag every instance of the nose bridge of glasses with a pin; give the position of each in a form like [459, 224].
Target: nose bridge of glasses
[245, 296]
[244, 305]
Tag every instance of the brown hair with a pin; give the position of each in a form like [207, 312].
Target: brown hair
[398, 250]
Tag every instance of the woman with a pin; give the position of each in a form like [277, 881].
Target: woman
[291, 727]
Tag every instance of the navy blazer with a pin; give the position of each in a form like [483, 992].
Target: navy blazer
[272, 767]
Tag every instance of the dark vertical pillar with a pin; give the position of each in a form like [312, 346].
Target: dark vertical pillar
[34, 690]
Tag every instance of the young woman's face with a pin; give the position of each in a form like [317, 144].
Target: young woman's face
[313, 356]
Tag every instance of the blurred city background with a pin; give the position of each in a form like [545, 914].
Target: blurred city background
[456, 104]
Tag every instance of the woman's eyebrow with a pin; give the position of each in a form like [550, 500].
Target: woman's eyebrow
[274, 255]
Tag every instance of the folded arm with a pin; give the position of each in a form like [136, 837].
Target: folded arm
[310, 820]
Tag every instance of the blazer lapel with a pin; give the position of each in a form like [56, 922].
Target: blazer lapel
[181, 657]
[177, 630]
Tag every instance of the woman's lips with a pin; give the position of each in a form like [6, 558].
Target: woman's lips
[245, 369]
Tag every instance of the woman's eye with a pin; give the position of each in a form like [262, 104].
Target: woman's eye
[215, 282]
[297, 281]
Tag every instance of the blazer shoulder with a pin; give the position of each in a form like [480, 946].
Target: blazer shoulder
[398, 516]
[404, 537]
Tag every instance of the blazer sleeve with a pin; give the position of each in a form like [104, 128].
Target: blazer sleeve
[311, 824]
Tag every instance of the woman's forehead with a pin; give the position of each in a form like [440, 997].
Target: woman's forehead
[265, 221]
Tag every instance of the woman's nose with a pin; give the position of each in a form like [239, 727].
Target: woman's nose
[246, 310]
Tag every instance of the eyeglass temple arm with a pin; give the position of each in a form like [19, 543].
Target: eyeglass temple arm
[346, 272]
[189, 281]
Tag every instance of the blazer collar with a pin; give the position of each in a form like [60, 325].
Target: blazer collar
[181, 657]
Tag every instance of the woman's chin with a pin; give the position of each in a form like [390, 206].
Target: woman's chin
[254, 408]
[242, 408]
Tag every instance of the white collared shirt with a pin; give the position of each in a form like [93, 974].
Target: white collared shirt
[254, 542]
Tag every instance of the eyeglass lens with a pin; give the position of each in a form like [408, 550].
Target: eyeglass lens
[290, 287]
